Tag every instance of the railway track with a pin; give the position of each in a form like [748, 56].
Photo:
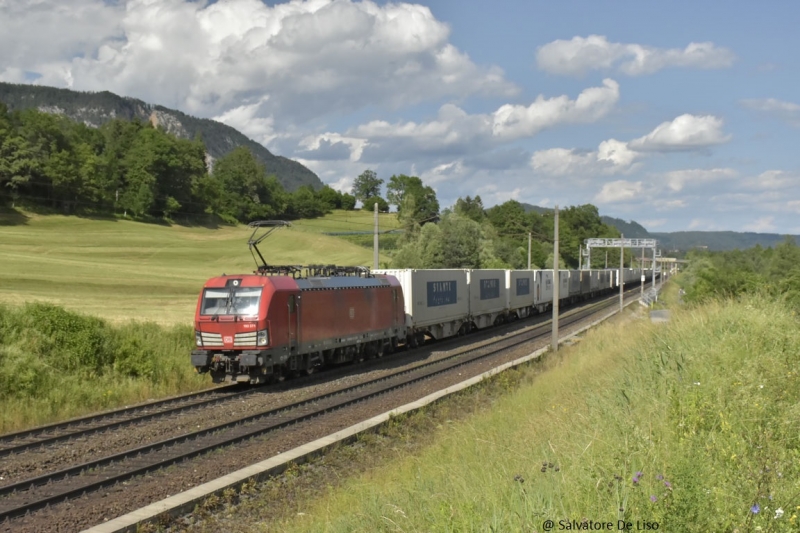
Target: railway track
[20, 441]
[35, 493]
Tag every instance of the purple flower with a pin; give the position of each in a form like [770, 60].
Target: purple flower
[635, 479]
[653, 498]
[668, 484]
[659, 477]
[755, 508]
[639, 474]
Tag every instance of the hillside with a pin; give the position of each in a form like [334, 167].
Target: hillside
[95, 109]
[122, 270]
[682, 241]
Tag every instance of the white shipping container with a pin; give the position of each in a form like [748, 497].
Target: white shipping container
[563, 287]
[521, 288]
[435, 300]
[543, 281]
[574, 282]
[594, 280]
[487, 295]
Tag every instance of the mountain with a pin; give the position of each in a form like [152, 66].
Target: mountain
[95, 109]
[683, 241]
[631, 230]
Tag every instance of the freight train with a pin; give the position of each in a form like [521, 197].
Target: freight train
[287, 320]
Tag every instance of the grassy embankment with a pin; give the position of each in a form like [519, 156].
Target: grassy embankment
[694, 424]
[135, 288]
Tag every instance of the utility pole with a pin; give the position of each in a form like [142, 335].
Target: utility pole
[556, 283]
[606, 259]
[621, 277]
[375, 241]
[654, 267]
[641, 284]
[529, 250]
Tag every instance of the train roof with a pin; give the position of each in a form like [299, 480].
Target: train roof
[342, 282]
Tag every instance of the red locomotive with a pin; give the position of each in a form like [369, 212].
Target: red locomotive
[285, 320]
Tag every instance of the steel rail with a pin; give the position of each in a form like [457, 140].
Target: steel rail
[77, 427]
[109, 420]
[261, 423]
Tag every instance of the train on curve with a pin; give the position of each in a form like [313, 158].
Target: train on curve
[284, 320]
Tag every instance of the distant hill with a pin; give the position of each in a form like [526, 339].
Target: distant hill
[684, 241]
[95, 109]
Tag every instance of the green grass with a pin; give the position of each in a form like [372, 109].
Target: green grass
[55, 364]
[706, 407]
[120, 270]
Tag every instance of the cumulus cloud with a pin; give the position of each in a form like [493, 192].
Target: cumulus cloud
[684, 133]
[788, 111]
[513, 121]
[761, 225]
[456, 133]
[619, 191]
[310, 58]
[581, 54]
[611, 157]
[676, 180]
[773, 179]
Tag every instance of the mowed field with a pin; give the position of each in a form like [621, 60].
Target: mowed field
[122, 270]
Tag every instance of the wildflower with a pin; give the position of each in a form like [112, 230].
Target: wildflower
[668, 484]
[778, 512]
[659, 477]
[755, 508]
[653, 498]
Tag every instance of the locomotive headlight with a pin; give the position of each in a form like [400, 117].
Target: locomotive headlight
[263, 338]
[198, 339]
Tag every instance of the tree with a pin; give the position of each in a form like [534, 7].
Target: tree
[369, 204]
[367, 185]
[348, 202]
[247, 192]
[471, 208]
[303, 203]
[330, 198]
[414, 200]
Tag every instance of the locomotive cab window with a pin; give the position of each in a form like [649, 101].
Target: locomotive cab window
[232, 301]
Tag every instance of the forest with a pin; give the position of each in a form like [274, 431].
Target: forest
[131, 169]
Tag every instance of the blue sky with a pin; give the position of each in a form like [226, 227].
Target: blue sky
[680, 115]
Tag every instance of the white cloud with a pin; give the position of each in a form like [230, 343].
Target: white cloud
[761, 225]
[676, 180]
[654, 223]
[245, 119]
[788, 111]
[456, 133]
[619, 191]
[668, 205]
[773, 179]
[316, 143]
[581, 54]
[612, 157]
[703, 224]
[514, 121]
[686, 132]
[311, 58]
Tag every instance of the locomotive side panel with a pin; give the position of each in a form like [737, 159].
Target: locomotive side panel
[345, 311]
